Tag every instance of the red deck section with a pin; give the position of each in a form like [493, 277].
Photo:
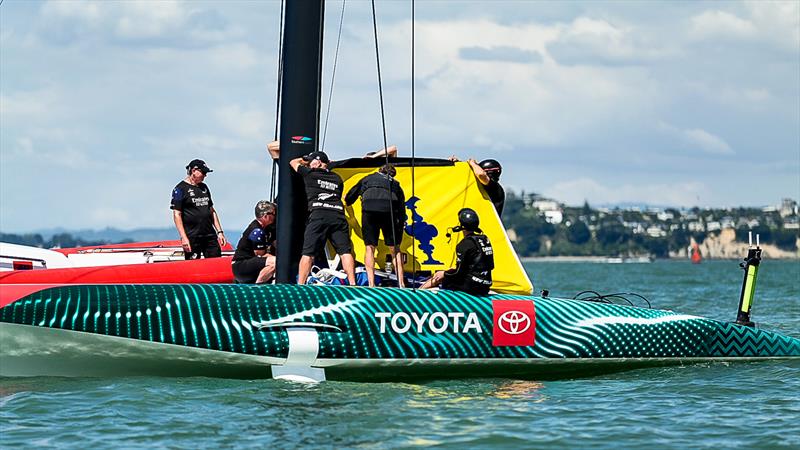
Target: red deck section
[132, 245]
[213, 270]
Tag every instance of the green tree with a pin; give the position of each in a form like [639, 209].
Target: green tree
[578, 233]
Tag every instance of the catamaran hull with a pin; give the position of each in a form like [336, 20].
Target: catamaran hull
[350, 334]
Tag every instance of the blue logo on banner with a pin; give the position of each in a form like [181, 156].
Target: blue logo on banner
[421, 231]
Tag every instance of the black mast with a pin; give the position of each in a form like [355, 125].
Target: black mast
[299, 130]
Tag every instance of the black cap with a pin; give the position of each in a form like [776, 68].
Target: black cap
[321, 156]
[469, 220]
[198, 164]
[492, 168]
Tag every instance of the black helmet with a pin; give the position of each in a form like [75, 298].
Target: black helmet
[468, 220]
[492, 168]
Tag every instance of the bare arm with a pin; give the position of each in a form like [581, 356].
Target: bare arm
[480, 174]
[274, 149]
[177, 216]
[297, 162]
[390, 150]
[218, 227]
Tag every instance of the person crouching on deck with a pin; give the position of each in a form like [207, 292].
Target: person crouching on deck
[326, 219]
[382, 210]
[254, 259]
[474, 260]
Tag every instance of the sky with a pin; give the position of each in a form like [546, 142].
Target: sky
[102, 104]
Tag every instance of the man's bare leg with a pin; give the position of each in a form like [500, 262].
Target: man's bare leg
[369, 264]
[349, 265]
[433, 281]
[397, 256]
[267, 272]
[305, 268]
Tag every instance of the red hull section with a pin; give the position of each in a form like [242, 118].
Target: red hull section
[214, 270]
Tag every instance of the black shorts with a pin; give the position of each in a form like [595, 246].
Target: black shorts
[373, 223]
[207, 246]
[455, 284]
[246, 271]
[321, 228]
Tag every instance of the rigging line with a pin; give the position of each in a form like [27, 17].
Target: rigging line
[273, 179]
[413, 165]
[333, 76]
[383, 124]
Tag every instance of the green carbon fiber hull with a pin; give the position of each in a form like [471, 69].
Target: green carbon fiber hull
[379, 333]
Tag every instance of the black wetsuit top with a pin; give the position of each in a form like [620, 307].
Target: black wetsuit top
[474, 265]
[375, 195]
[497, 195]
[255, 237]
[195, 204]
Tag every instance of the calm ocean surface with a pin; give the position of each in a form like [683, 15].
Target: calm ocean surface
[747, 405]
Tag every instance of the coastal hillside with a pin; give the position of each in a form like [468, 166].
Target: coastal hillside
[541, 227]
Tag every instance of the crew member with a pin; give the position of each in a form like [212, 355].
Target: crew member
[382, 210]
[488, 174]
[254, 259]
[195, 217]
[326, 219]
[474, 260]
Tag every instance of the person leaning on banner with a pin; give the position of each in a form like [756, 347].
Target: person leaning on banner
[326, 219]
[254, 259]
[474, 260]
[274, 150]
[194, 214]
[488, 174]
[382, 210]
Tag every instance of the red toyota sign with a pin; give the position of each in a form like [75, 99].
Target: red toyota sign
[514, 323]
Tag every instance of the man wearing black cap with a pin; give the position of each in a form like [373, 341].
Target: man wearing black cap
[254, 259]
[326, 219]
[195, 218]
[488, 174]
[474, 260]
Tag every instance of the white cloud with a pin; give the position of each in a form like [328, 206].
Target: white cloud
[143, 19]
[774, 22]
[166, 23]
[24, 146]
[699, 139]
[707, 141]
[250, 123]
[709, 24]
[238, 56]
[22, 105]
[88, 11]
[595, 41]
[574, 192]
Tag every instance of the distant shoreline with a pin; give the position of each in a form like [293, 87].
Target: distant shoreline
[604, 259]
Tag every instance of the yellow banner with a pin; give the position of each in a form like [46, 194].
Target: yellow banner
[439, 193]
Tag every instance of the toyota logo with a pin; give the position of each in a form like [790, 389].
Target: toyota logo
[514, 322]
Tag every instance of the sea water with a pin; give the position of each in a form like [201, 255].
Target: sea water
[709, 405]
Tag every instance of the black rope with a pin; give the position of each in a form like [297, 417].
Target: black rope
[383, 124]
[333, 76]
[273, 180]
[413, 165]
[610, 298]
